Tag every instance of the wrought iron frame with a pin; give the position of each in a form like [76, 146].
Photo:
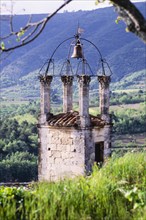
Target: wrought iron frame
[83, 60]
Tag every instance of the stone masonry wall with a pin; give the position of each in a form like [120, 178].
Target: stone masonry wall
[69, 152]
[61, 153]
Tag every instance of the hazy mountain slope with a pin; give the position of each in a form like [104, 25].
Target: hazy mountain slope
[124, 51]
[135, 80]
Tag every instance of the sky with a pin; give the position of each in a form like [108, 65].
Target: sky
[47, 6]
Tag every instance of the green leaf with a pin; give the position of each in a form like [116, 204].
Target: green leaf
[118, 19]
[136, 205]
[2, 45]
[127, 29]
[20, 33]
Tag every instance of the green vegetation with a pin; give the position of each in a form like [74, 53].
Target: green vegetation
[18, 151]
[129, 121]
[127, 140]
[19, 108]
[18, 130]
[129, 90]
[18, 143]
[132, 81]
[116, 191]
[118, 98]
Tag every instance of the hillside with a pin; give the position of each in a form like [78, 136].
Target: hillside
[26, 89]
[133, 81]
[124, 52]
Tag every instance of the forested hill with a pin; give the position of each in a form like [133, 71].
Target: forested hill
[124, 51]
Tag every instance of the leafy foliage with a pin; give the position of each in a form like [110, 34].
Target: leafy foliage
[18, 147]
[130, 121]
[116, 191]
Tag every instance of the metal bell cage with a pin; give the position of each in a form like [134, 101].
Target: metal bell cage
[78, 53]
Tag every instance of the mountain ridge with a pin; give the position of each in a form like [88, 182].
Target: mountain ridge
[124, 52]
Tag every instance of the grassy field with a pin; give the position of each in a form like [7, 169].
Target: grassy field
[114, 192]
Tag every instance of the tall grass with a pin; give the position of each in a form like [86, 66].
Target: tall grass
[114, 192]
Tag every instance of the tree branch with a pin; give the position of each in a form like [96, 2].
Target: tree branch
[30, 34]
[29, 25]
[11, 24]
[135, 21]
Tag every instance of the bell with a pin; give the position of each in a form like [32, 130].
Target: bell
[77, 52]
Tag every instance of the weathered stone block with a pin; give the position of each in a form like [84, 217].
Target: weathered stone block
[49, 153]
[67, 148]
[58, 161]
[65, 155]
[67, 141]
[51, 146]
[55, 140]
[50, 160]
[60, 147]
[56, 154]
[66, 161]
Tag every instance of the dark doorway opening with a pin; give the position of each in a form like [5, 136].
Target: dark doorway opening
[99, 152]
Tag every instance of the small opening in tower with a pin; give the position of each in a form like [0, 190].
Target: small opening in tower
[99, 152]
[49, 148]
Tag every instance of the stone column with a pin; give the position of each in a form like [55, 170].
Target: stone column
[67, 93]
[107, 141]
[84, 82]
[104, 96]
[45, 104]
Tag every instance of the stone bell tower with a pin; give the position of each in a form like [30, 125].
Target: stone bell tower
[72, 141]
